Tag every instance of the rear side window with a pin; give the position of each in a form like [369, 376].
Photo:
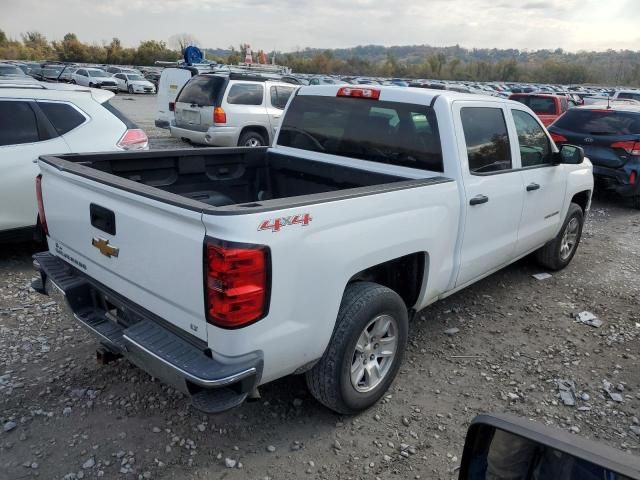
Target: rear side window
[485, 133]
[202, 90]
[246, 94]
[600, 122]
[386, 132]
[121, 116]
[63, 117]
[18, 123]
[280, 96]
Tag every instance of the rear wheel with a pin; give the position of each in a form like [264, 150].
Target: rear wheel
[130, 89]
[558, 253]
[251, 139]
[365, 351]
[636, 202]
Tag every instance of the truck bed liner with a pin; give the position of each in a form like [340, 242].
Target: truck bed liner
[231, 181]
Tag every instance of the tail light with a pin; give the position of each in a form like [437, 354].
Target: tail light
[631, 147]
[236, 280]
[558, 138]
[172, 106]
[41, 215]
[219, 115]
[133, 139]
[370, 93]
[633, 176]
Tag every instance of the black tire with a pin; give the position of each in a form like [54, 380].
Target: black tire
[636, 202]
[550, 256]
[253, 138]
[330, 379]
[130, 89]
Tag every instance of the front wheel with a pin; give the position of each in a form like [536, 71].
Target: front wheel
[558, 253]
[365, 351]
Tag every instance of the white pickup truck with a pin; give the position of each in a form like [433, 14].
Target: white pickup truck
[219, 270]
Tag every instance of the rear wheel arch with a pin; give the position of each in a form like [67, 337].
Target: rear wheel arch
[404, 275]
[262, 131]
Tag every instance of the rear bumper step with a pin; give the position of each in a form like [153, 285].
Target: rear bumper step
[215, 383]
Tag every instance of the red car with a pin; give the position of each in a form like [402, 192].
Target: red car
[547, 107]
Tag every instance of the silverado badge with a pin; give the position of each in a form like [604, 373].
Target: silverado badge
[104, 247]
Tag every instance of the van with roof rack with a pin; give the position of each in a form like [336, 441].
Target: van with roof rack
[38, 118]
[228, 110]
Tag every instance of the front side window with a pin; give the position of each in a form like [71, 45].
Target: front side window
[534, 145]
[487, 139]
[17, 123]
[245, 94]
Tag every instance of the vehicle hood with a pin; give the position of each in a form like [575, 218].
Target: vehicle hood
[142, 83]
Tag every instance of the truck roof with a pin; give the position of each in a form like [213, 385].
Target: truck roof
[402, 94]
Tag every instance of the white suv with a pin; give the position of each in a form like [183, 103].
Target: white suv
[47, 118]
[228, 110]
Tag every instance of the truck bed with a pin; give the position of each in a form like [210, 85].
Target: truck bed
[230, 180]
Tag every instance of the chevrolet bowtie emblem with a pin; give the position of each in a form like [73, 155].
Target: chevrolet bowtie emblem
[104, 247]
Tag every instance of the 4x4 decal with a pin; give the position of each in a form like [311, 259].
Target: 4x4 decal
[276, 224]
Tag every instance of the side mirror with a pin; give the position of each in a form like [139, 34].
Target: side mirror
[504, 447]
[569, 154]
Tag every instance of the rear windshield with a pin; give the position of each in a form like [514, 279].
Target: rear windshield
[387, 132]
[600, 122]
[203, 90]
[540, 105]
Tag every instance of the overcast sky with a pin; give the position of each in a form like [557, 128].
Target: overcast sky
[290, 24]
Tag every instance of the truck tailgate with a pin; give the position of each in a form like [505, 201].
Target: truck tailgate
[158, 263]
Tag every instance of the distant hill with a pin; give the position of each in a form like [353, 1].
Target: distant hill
[609, 67]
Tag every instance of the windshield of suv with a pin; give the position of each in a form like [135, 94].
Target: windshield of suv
[98, 73]
[600, 122]
[10, 70]
[387, 132]
[135, 77]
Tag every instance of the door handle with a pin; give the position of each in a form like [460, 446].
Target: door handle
[478, 199]
[532, 186]
[277, 116]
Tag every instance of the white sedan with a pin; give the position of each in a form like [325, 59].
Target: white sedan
[134, 83]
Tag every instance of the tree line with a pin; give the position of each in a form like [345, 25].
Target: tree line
[35, 46]
[609, 67]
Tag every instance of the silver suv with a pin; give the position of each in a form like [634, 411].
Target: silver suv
[228, 110]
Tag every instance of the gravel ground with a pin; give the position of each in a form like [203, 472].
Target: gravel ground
[498, 346]
[65, 416]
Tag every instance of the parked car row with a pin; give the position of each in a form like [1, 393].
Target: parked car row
[110, 78]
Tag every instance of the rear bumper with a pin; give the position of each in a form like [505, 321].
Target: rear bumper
[214, 382]
[616, 180]
[215, 136]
